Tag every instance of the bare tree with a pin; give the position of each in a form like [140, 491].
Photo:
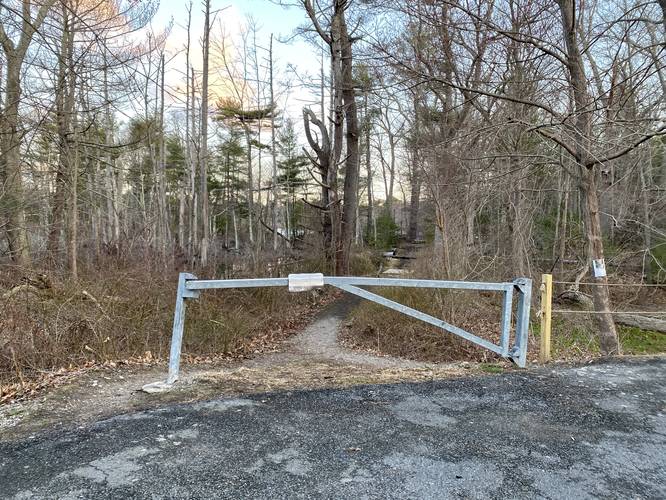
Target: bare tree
[10, 169]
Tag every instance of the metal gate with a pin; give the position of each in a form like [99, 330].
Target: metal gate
[189, 287]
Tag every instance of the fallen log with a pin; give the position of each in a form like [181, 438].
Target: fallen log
[640, 321]
[18, 289]
[627, 319]
[575, 297]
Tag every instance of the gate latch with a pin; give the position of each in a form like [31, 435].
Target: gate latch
[305, 282]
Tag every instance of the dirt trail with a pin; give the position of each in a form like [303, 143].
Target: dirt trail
[318, 343]
[311, 359]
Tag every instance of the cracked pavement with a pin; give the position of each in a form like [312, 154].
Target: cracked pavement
[576, 432]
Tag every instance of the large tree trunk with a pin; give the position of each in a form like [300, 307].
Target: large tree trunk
[608, 338]
[10, 168]
[641, 321]
[164, 219]
[10, 137]
[352, 160]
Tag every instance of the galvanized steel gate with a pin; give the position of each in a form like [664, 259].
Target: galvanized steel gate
[189, 287]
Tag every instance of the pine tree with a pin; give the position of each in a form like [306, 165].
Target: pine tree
[291, 167]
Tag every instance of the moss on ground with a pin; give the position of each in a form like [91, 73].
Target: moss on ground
[491, 368]
[571, 339]
[637, 341]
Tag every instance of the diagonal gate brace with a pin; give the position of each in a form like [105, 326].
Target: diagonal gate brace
[414, 313]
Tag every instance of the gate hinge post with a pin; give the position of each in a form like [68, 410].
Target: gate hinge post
[177, 333]
[187, 293]
[519, 351]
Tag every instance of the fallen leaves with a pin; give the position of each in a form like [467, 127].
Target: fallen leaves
[264, 341]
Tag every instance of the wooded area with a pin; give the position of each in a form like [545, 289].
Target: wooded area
[513, 136]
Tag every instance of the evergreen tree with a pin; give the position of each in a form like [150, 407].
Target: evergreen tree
[291, 167]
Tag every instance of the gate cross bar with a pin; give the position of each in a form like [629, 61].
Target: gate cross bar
[189, 287]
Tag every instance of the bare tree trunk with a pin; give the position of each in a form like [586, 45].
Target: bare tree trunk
[647, 223]
[414, 203]
[10, 136]
[563, 224]
[64, 179]
[181, 215]
[189, 124]
[608, 338]
[391, 184]
[17, 234]
[260, 229]
[273, 151]
[205, 227]
[72, 155]
[352, 159]
[112, 226]
[368, 165]
[165, 233]
[518, 250]
[93, 181]
[415, 179]
[73, 222]
[62, 119]
[441, 239]
[250, 184]
[194, 165]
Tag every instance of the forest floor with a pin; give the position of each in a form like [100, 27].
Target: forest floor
[311, 359]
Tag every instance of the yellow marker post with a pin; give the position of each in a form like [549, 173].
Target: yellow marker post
[546, 314]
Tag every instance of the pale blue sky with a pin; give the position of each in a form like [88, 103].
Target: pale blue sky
[272, 17]
[293, 61]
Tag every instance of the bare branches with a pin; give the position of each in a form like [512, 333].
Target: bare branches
[628, 149]
[321, 149]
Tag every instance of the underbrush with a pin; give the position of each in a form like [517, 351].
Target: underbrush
[376, 328]
[125, 314]
[574, 337]
[577, 338]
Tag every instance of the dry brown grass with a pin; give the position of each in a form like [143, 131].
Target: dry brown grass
[126, 313]
[374, 327]
[316, 375]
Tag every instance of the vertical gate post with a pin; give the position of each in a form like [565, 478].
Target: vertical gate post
[546, 315]
[179, 325]
[507, 301]
[519, 351]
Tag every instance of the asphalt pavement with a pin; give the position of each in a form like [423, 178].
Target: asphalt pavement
[578, 432]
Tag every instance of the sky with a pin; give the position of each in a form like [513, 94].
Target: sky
[294, 58]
